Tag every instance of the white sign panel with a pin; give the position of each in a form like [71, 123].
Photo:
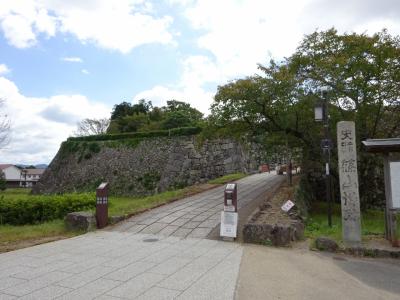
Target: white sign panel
[229, 223]
[230, 186]
[229, 208]
[395, 183]
[287, 206]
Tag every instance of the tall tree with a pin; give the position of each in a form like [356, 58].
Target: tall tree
[178, 106]
[363, 74]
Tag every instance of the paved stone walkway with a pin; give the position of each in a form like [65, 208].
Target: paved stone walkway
[196, 216]
[156, 255]
[115, 265]
[112, 265]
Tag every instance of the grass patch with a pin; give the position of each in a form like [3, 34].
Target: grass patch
[372, 223]
[10, 233]
[15, 193]
[227, 178]
[16, 237]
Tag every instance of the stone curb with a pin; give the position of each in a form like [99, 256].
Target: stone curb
[372, 252]
[359, 251]
[274, 234]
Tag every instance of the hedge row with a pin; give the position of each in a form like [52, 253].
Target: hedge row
[149, 134]
[37, 209]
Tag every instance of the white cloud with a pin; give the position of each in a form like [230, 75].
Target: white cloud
[194, 95]
[84, 71]
[4, 69]
[240, 34]
[113, 24]
[72, 59]
[23, 20]
[197, 71]
[18, 31]
[39, 125]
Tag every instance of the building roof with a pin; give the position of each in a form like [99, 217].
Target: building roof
[34, 171]
[382, 145]
[5, 166]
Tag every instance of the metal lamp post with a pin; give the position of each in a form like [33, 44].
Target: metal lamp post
[321, 115]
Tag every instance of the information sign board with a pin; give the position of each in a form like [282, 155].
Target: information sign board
[395, 183]
[229, 223]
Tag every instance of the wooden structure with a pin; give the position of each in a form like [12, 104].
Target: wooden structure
[390, 149]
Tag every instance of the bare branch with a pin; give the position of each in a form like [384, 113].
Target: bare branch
[92, 127]
[5, 126]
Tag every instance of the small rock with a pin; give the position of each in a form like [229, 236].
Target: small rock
[116, 219]
[326, 244]
[80, 221]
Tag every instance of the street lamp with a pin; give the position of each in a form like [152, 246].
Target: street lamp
[321, 115]
[319, 111]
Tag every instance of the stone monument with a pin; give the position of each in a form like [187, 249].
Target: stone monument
[350, 199]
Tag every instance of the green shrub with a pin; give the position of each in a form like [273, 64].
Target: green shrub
[94, 147]
[37, 209]
[3, 182]
[150, 180]
[148, 134]
[68, 147]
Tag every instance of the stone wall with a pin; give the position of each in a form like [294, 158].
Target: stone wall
[145, 167]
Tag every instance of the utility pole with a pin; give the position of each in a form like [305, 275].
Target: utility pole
[327, 150]
[322, 114]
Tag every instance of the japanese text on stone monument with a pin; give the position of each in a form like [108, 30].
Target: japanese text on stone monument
[347, 158]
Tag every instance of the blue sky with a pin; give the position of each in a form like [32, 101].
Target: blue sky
[63, 61]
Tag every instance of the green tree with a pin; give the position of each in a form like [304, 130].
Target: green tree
[363, 74]
[121, 110]
[177, 106]
[176, 119]
[142, 107]
[2, 181]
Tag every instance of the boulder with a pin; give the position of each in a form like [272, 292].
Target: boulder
[81, 220]
[326, 244]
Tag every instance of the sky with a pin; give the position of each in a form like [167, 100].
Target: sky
[63, 61]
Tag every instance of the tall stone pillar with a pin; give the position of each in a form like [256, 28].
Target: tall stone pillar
[350, 198]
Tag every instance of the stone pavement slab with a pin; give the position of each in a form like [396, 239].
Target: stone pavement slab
[100, 265]
[160, 254]
[196, 216]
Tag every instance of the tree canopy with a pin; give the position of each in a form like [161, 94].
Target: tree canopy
[363, 76]
[143, 116]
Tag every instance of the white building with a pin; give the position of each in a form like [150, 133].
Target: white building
[18, 177]
[12, 174]
[29, 177]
